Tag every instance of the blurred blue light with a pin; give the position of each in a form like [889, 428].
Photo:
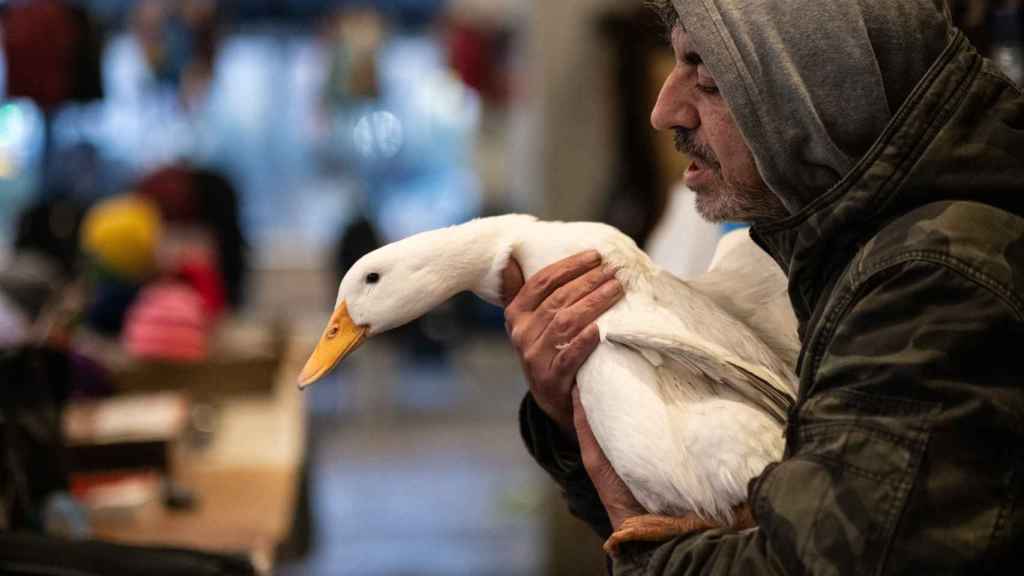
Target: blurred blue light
[13, 125]
[20, 132]
[378, 135]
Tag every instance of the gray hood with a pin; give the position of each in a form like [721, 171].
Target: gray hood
[813, 83]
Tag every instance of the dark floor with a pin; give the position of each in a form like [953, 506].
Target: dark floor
[418, 469]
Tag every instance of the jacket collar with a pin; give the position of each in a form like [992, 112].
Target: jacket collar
[815, 243]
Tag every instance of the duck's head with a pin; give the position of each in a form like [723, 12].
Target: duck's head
[384, 289]
[398, 283]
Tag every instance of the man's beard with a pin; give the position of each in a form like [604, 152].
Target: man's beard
[723, 200]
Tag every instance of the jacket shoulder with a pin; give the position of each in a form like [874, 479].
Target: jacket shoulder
[979, 241]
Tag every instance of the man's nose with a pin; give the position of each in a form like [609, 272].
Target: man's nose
[674, 107]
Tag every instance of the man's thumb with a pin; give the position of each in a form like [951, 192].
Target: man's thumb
[511, 281]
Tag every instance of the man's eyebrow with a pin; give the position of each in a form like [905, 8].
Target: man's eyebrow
[692, 58]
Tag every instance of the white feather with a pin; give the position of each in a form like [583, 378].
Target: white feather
[687, 391]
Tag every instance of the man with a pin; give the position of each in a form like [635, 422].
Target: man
[881, 161]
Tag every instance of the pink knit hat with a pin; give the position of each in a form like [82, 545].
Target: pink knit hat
[167, 322]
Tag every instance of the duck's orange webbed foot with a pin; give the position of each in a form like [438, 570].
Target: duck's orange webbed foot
[653, 528]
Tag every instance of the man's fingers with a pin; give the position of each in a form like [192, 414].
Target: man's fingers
[573, 291]
[536, 358]
[616, 496]
[558, 305]
[591, 306]
[594, 460]
[577, 408]
[579, 420]
[549, 279]
[568, 322]
[569, 359]
[511, 281]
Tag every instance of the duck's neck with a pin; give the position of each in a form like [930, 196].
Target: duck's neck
[471, 256]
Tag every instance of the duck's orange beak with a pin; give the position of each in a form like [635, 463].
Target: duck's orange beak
[339, 339]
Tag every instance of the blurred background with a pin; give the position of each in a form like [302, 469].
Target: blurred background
[182, 186]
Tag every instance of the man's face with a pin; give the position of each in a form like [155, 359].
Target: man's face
[722, 170]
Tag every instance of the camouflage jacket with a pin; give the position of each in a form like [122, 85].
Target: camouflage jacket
[905, 450]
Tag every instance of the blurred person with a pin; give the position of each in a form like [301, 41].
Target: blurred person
[880, 160]
[119, 239]
[204, 244]
[219, 212]
[353, 38]
[49, 227]
[179, 42]
[52, 53]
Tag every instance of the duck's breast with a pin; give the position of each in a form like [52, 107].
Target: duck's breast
[677, 447]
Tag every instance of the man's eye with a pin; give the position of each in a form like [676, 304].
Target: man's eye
[692, 58]
[705, 81]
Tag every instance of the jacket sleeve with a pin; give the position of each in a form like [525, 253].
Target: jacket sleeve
[903, 455]
[561, 460]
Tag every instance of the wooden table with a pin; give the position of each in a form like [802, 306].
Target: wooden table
[246, 480]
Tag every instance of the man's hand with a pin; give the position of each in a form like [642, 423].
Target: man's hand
[551, 322]
[615, 495]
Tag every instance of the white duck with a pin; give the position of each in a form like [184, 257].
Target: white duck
[687, 392]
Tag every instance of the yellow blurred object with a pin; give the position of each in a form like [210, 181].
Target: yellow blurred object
[122, 233]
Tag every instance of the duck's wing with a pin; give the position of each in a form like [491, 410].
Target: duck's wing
[682, 327]
[745, 282]
[680, 441]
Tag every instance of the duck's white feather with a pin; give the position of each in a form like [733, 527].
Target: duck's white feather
[678, 450]
[687, 400]
[688, 389]
[745, 282]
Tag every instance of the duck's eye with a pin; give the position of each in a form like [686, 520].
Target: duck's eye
[372, 278]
